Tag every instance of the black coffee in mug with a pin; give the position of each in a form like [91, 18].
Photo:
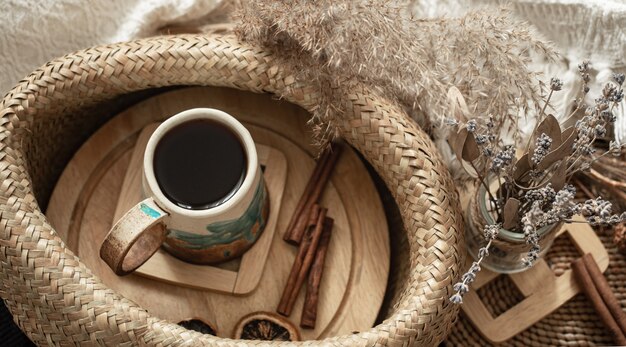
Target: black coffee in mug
[199, 164]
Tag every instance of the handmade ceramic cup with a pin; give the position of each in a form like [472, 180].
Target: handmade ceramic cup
[203, 236]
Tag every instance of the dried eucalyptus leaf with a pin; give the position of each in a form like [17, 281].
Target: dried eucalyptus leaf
[531, 149]
[469, 169]
[521, 167]
[567, 133]
[550, 126]
[458, 106]
[511, 211]
[563, 151]
[458, 142]
[471, 151]
[529, 156]
[559, 177]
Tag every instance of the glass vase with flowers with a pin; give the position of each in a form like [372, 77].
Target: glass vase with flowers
[522, 191]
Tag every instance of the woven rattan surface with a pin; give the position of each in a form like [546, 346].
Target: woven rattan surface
[56, 300]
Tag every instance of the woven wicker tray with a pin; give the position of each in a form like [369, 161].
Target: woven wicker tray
[39, 126]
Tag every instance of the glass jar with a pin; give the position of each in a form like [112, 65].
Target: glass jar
[509, 248]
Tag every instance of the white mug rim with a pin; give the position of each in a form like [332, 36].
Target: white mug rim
[185, 116]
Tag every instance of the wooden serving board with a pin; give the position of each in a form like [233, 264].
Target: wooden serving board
[82, 209]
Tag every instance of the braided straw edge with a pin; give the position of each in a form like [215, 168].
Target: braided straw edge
[57, 300]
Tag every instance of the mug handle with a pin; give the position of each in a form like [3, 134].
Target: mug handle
[134, 238]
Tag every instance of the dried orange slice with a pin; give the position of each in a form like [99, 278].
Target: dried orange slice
[266, 326]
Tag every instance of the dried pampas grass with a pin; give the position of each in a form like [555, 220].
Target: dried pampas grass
[414, 62]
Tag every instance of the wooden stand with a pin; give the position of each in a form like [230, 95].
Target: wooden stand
[544, 292]
[83, 205]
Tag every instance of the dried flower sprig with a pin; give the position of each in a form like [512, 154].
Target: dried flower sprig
[532, 191]
[490, 233]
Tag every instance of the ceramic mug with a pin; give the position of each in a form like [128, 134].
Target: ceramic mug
[201, 236]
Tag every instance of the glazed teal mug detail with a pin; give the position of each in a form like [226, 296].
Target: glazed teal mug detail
[205, 197]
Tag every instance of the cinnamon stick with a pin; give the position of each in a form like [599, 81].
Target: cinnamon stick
[299, 263]
[314, 214]
[300, 225]
[309, 312]
[306, 195]
[605, 292]
[297, 275]
[586, 282]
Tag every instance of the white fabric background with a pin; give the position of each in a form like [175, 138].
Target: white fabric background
[33, 32]
[593, 29]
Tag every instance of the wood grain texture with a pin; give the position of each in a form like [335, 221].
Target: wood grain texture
[350, 301]
[544, 292]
